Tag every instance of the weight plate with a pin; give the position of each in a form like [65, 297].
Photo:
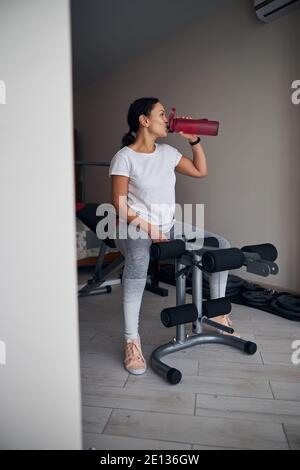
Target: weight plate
[257, 298]
[250, 286]
[289, 302]
[232, 292]
[283, 312]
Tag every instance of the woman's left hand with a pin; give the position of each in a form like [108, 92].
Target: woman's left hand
[189, 137]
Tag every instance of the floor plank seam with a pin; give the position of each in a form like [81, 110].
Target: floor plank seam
[172, 413]
[286, 436]
[270, 385]
[195, 404]
[261, 357]
[142, 439]
[108, 419]
[221, 395]
[205, 393]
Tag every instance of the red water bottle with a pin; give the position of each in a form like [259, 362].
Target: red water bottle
[192, 126]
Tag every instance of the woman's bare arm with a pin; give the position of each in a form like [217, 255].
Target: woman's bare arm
[119, 193]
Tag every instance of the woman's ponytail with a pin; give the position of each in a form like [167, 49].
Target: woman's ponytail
[128, 139]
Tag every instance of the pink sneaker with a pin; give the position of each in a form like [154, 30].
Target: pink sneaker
[134, 360]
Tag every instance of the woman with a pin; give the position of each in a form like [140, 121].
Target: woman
[143, 194]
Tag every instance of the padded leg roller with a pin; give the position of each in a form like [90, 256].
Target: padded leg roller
[167, 250]
[267, 251]
[222, 260]
[216, 307]
[179, 315]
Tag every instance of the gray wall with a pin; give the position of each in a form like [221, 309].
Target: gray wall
[233, 68]
[40, 387]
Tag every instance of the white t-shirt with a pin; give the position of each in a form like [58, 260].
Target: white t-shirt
[151, 188]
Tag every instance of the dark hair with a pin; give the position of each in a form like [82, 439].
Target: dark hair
[138, 107]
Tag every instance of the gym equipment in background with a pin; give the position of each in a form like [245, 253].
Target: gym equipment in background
[87, 215]
[192, 126]
[82, 164]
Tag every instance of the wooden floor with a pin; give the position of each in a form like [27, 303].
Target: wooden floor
[226, 399]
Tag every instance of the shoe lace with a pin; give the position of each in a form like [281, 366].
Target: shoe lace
[133, 351]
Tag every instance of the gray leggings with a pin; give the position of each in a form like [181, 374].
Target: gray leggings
[137, 257]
